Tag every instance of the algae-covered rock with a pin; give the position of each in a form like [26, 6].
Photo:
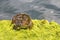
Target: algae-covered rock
[42, 30]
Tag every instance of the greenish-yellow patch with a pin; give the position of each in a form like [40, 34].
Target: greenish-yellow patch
[42, 30]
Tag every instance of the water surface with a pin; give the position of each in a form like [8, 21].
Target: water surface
[37, 9]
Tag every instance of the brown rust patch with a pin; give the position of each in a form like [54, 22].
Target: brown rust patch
[22, 21]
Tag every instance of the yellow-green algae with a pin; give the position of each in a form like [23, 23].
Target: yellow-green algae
[42, 30]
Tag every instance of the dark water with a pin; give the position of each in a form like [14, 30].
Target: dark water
[37, 9]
